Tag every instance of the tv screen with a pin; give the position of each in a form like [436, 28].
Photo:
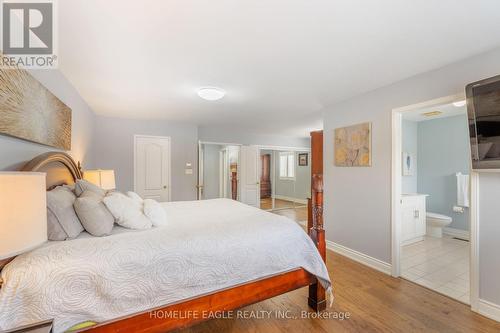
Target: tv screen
[483, 105]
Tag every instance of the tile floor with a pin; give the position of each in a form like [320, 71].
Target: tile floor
[441, 264]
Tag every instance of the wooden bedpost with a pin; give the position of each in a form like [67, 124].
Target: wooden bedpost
[317, 299]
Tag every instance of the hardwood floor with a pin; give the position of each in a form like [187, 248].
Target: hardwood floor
[296, 214]
[376, 303]
[267, 203]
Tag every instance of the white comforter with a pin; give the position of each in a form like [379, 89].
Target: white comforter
[209, 245]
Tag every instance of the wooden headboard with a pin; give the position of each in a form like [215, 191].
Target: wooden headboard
[60, 168]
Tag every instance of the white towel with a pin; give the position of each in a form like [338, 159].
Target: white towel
[462, 190]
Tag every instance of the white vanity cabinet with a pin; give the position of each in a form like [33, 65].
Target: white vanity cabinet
[413, 219]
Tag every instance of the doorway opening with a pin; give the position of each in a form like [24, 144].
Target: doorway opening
[218, 171]
[285, 181]
[431, 222]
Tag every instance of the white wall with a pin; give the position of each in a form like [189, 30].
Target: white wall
[114, 149]
[358, 200]
[15, 152]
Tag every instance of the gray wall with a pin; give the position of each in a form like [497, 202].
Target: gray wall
[114, 149]
[300, 188]
[410, 145]
[211, 171]
[236, 135]
[443, 150]
[358, 200]
[15, 152]
[489, 237]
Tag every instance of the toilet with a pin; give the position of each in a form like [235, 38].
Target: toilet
[435, 224]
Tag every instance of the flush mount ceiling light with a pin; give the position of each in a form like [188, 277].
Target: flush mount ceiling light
[432, 113]
[459, 103]
[211, 93]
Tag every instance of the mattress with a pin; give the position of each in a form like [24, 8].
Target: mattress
[208, 245]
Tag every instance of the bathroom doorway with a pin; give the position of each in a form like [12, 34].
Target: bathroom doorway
[431, 197]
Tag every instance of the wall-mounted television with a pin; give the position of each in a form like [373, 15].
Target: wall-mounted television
[483, 107]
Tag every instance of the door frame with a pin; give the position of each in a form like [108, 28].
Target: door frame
[273, 167]
[396, 190]
[200, 164]
[169, 160]
[223, 172]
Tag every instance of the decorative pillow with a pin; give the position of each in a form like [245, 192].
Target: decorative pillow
[155, 212]
[83, 185]
[95, 217]
[54, 230]
[136, 197]
[126, 211]
[62, 222]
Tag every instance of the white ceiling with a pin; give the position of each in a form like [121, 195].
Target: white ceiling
[447, 110]
[280, 61]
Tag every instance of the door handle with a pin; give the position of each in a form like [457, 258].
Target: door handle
[416, 213]
[165, 186]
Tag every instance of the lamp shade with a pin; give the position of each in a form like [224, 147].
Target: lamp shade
[23, 212]
[105, 179]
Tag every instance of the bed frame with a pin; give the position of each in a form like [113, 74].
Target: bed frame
[61, 169]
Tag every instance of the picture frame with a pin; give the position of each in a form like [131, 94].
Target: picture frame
[353, 145]
[303, 159]
[409, 162]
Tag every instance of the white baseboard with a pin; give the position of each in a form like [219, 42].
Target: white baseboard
[362, 258]
[488, 309]
[297, 200]
[459, 233]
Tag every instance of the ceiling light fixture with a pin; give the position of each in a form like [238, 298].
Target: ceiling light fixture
[211, 93]
[432, 113]
[459, 103]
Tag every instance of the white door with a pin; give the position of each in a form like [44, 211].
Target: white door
[250, 175]
[152, 167]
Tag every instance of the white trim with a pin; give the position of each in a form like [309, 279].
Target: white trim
[362, 258]
[458, 233]
[283, 197]
[474, 241]
[218, 143]
[396, 192]
[295, 149]
[169, 157]
[396, 173]
[488, 309]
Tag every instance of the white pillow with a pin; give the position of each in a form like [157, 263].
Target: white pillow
[155, 212]
[136, 197]
[126, 211]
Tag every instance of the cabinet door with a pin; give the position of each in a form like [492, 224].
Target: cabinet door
[421, 226]
[408, 229]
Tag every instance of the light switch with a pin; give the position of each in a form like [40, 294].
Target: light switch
[189, 171]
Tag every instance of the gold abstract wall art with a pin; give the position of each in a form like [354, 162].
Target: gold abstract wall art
[353, 145]
[31, 112]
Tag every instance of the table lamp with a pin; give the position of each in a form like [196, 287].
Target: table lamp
[105, 179]
[23, 212]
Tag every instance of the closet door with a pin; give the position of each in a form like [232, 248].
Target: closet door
[250, 176]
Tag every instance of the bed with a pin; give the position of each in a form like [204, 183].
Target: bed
[217, 255]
